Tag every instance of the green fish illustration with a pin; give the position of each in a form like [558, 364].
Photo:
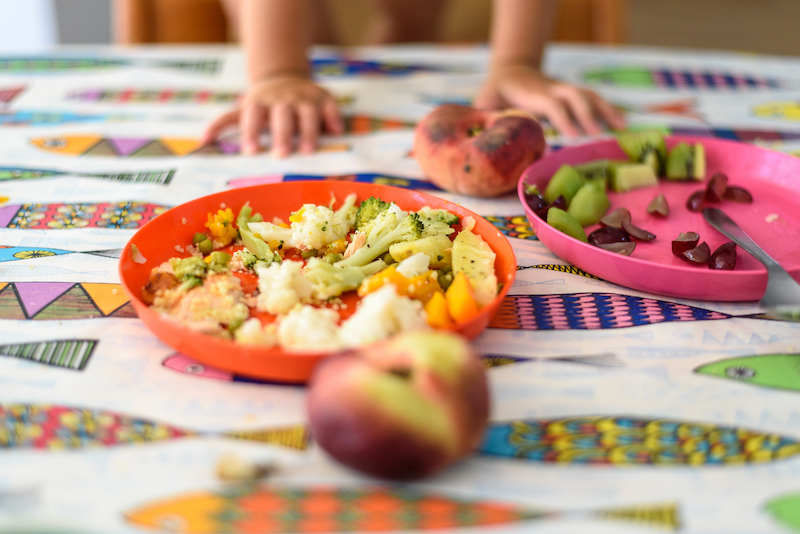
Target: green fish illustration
[785, 510]
[778, 371]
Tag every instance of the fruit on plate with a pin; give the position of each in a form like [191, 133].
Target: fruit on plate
[686, 161]
[474, 152]
[590, 203]
[645, 146]
[401, 408]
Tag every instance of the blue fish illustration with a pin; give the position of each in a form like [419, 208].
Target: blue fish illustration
[665, 78]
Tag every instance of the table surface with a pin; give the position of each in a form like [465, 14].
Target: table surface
[628, 412]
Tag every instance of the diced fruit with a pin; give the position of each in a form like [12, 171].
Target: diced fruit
[686, 162]
[638, 233]
[616, 217]
[658, 206]
[565, 182]
[698, 254]
[646, 147]
[724, 257]
[685, 241]
[590, 203]
[473, 257]
[738, 194]
[564, 222]
[608, 234]
[716, 187]
[623, 247]
[436, 308]
[628, 176]
[695, 201]
[597, 169]
[460, 298]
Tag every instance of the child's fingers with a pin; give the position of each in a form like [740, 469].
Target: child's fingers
[580, 109]
[251, 122]
[332, 117]
[213, 130]
[611, 115]
[282, 127]
[308, 121]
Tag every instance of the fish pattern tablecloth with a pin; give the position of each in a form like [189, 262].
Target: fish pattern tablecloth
[612, 410]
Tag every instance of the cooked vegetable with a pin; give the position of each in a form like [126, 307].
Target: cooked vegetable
[329, 281]
[475, 258]
[383, 232]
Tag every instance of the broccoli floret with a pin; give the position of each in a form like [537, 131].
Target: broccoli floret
[218, 261]
[348, 210]
[369, 210]
[193, 266]
[383, 232]
[437, 221]
[251, 261]
[329, 281]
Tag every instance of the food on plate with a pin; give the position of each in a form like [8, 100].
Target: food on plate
[686, 161]
[565, 183]
[685, 241]
[717, 190]
[646, 147]
[658, 206]
[563, 221]
[698, 254]
[638, 233]
[402, 408]
[590, 203]
[329, 279]
[476, 152]
[724, 258]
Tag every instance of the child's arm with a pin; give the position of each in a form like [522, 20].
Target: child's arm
[520, 29]
[276, 35]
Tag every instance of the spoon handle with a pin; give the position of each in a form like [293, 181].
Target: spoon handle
[724, 224]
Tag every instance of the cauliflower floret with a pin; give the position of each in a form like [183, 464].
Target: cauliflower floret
[394, 208]
[281, 287]
[414, 265]
[307, 327]
[381, 314]
[314, 227]
[253, 333]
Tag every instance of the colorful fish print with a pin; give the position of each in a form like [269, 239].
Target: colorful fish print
[516, 226]
[589, 311]
[368, 178]
[66, 64]
[684, 107]
[126, 147]
[46, 118]
[266, 509]
[362, 124]
[738, 134]
[134, 177]
[785, 509]
[646, 78]
[633, 441]
[778, 371]
[31, 253]
[42, 301]
[785, 111]
[71, 354]
[340, 67]
[8, 94]
[568, 269]
[127, 215]
[42, 426]
[134, 95]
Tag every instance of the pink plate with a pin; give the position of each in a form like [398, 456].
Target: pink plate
[772, 220]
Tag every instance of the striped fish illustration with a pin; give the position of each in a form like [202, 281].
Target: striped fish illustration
[337, 67]
[786, 111]
[684, 107]
[785, 509]
[568, 269]
[42, 426]
[126, 147]
[49, 118]
[71, 354]
[369, 178]
[133, 95]
[266, 509]
[646, 78]
[8, 94]
[31, 253]
[67, 64]
[620, 440]
[603, 360]
[735, 134]
[127, 215]
[778, 371]
[41, 301]
[589, 311]
[362, 124]
[134, 177]
[513, 226]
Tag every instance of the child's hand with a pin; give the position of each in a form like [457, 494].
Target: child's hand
[283, 105]
[570, 109]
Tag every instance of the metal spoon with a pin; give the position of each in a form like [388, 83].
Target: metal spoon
[782, 297]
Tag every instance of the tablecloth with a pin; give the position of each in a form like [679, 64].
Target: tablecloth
[615, 410]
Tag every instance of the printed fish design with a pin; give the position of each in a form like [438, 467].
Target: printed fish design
[126, 147]
[266, 509]
[55, 64]
[778, 371]
[8, 94]
[620, 440]
[516, 226]
[127, 215]
[154, 96]
[786, 111]
[643, 77]
[362, 124]
[43, 426]
[134, 177]
[590, 311]
[784, 509]
[341, 67]
[684, 107]
[606, 360]
[71, 354]
[737, 134]
[46, 118]
[41, 301]
[369, 178]
[31, 253]
[568, 269]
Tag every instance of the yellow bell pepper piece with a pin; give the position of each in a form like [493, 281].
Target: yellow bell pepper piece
[436, 308]
[460, 298]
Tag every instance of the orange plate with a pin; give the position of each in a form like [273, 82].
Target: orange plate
[157, 240]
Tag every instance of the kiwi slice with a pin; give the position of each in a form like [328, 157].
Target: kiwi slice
[686, 162]
[563, 221]
[590, 203]
[627, 176]
[565, 182]
[645, 147]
